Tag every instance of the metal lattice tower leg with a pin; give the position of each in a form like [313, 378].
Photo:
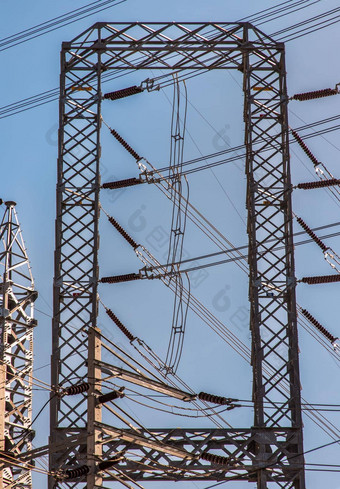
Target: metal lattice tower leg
[17, 295]
[273, 317]
[270, 452]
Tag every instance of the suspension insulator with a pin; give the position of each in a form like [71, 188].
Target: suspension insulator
[125, 92]
[125, 145]
[326, 92]
[214, 399]
[76, 389]
[322, 279]
[78, 472]
[128, 182]
[106, 464]
[305, 148]
[119, 278]
[311, 234]
[318, 326]
[120, 325]
[215, 459]
[320, 184]
[123, 232]
[111, 396]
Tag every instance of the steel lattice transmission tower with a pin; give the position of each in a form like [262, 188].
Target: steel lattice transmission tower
[17, 296]
[270, 452]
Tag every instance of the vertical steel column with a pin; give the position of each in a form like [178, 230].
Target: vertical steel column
[76, 338]
[273, 321]
[16, 352]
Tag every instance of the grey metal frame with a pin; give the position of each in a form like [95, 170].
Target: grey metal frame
[17, 296]
[270, 452]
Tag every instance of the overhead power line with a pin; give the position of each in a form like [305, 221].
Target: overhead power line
[242, 257]
[48, 96]
[56, 23]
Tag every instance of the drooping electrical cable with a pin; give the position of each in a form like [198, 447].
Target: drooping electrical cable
[154, 360]
[155, 270]
[57, 22]
[236, 151]
[308, 26]
[159, 264]
[160, 367]
[178, 226]
[318, 420]
[192, 213]
[52, 95]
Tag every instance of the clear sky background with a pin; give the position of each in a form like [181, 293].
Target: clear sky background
[28, 162]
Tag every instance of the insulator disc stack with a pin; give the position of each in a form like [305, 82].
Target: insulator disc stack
[76, 473]
[76, 389]
[321, 279]
[115, 279]
[120, 325]
[305, 148]
[215, 459]
[127, 182]
[318, 326]
[125, 92]
[322, 183]
[311, 234]
[125, 145]
[122, 231]
[204, 396]
[326, 92]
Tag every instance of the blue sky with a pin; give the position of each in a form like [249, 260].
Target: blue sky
[29, 153]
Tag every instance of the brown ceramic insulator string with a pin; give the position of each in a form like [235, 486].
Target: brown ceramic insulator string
[125, 145]
[76, 389]
[120, 325]
[326, 92]
[322, 183]
[115, 279]
[125, 92]
[305, 148]
[311, 234]
[319, 326]
[216, 459]
[76, 472]
[122, 231]
[127, 182]
[204, 396]
[321, 279]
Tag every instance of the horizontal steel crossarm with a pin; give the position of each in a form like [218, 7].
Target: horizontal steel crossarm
[170, 46]
[144, 381]
[143, 461]
[136, 438]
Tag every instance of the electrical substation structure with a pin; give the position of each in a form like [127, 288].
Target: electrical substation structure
[85, 451]
[17, 322]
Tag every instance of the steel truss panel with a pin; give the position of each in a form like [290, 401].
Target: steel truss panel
[270, 453]
[238, 446]
[17, 295]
